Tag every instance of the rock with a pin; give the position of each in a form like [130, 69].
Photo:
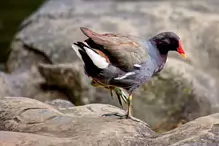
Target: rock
[162, 110]
[177, 103]
[24, 57]
[70, 77]
[27, 84]
[45, 38]
[25, 121]
[80, 127]
[60, 103]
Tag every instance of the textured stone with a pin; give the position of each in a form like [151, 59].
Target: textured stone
[24, 121]
[26, 84]
[60, 103]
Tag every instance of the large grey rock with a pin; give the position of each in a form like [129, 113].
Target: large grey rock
[70, 77]
[26, 81]
[27, 84]
[46, 37]
[73, 79]
[24, 121]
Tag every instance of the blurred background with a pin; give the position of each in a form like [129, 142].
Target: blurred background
[35, 48]
[12, 13]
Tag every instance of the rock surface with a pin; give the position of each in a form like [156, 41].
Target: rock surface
[45, 38]
[27, 84]
[60, 103]
[25, 121]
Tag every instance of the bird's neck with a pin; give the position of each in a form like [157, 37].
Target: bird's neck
[159, 58]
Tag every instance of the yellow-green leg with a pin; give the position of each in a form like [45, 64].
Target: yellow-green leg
[128, 115]
[129, 110]
[120, 95]
[119, 92]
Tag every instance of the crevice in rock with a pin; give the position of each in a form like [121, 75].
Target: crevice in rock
[37, 51]
[65, 91]
[17, 118]
[47, 119]
[26, 109]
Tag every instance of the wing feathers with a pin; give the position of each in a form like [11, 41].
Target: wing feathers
[122, 51]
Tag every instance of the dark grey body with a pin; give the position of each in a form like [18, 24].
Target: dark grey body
[129, 61]
[152, 65]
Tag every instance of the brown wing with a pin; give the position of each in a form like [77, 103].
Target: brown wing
[122, 51]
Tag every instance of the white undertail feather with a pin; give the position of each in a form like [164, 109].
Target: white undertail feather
[98, 60]
[76, 48]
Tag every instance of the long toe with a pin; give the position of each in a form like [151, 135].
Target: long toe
[136, 120]
[133, 118]
[114, 114]
[122, 116]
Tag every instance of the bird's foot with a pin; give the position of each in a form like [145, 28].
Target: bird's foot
[133, 118]
[112, 114]
[121, 116]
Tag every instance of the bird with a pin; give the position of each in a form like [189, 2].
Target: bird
[125, 62]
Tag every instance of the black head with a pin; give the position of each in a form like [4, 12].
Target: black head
[168, 41]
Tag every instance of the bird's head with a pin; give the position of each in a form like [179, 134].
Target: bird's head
[168, 41]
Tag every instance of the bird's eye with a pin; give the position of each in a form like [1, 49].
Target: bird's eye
[173, 42]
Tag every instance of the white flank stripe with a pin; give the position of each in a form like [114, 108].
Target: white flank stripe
[125, 76]
[137, 65]
[98, 60]
[76, 48]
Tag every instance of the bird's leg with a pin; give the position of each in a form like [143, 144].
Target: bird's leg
[99, 85]
[111, 93]
[121, 95]
[119, 92]
[128, 115]
[129, 110]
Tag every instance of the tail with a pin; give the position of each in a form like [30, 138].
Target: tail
[92, 60]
